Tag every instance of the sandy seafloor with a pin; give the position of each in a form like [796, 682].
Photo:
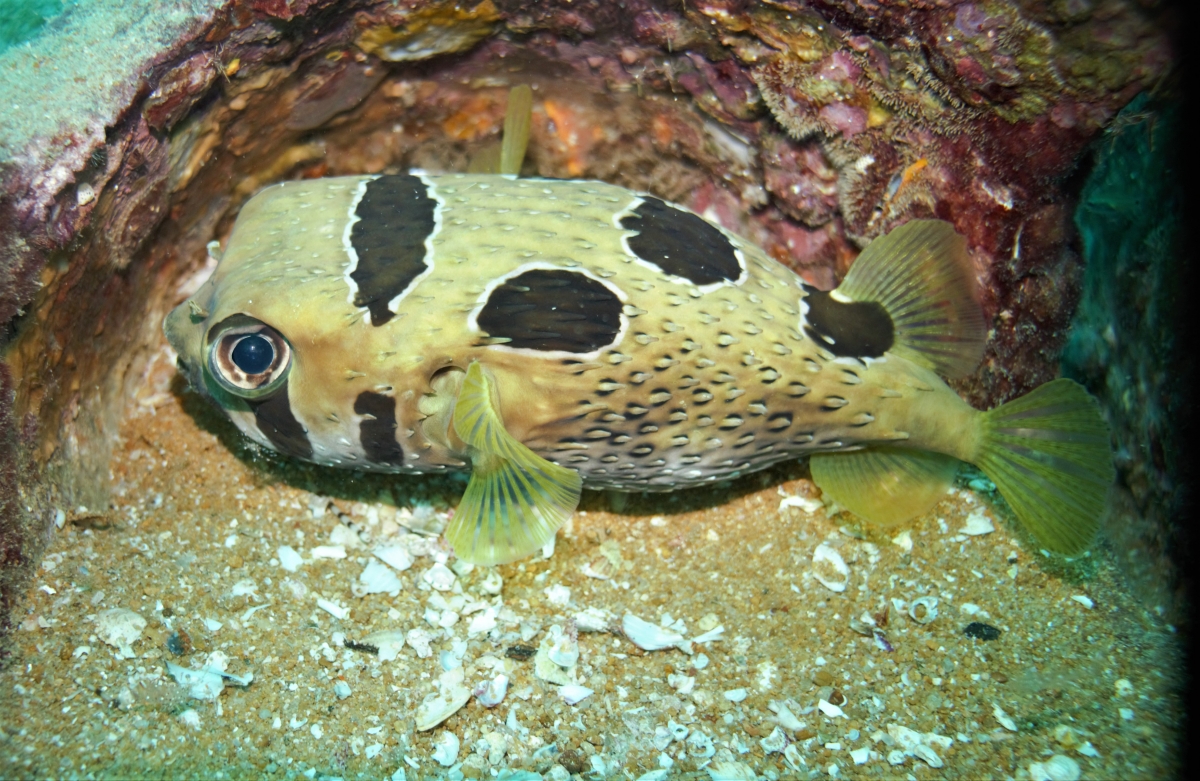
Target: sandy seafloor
[191, 544]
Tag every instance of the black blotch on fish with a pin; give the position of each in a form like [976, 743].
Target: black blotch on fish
[396, 215]
[377, 432]
[546, 309]
[275, 420]
[681, 244]
[858, 329]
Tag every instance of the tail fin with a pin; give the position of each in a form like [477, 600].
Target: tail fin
[1048, 452]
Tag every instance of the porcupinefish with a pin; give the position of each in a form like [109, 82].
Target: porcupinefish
[550, 335]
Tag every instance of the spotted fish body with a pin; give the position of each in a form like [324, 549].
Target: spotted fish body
[604, 361]
[622, 338]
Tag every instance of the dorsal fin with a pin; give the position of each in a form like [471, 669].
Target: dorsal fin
[516, 129]
[922, 276]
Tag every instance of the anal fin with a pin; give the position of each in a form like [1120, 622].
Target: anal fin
[516, 500]
[884, 485]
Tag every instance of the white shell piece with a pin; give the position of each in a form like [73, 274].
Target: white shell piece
[710, 636]
[556, 645]
[573, 693]
[700, 745]
[564, 648]
[684, 684]
[977, 523]
[829, 568]
[419, 640]
[333, 609]
[446, 748]
[329, 552]
[784, 715]
[439, 577]
[860, 755]
[736, 695]
[923, 610]
[388, 641]
[927, 755]
[491, 693]
[806, 504]
[190, 718]
[558, 595]
[482, 623]
[730, 771]
[1004, 719]
[648, 636]
[204, 684]
[593, 620]
[436, 708]
[896, 757]
[397, 557]
[775, 742]
[492, 583]
[830, 710]
[120, 628]
[289, 558]
[904, 541]
[1084, 600]
[1057, 768]
[342, 690]
[377, 579]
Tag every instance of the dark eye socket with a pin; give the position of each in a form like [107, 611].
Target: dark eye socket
[253, 354]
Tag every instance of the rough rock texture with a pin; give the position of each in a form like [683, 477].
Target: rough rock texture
[1128, 343]
[809, 127]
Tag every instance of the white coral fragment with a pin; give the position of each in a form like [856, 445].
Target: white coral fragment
[377, 578]
[916, 744]
[397, 557]
[829, 568]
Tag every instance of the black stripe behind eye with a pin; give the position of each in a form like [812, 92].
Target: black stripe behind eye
[278, 424]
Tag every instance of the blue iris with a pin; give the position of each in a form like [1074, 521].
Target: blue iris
[254, 354]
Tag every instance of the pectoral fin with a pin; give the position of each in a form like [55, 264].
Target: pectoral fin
[884, 485]
[516, 500]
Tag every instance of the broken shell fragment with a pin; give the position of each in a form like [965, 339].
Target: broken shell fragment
[491, 693]
[923, 610]
[573, 693]
[650, 637]
[436, 708]
[830, 568]
[120, 628]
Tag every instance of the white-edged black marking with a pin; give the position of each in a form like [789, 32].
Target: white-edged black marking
[391, 222]
[681, 244]
[848, 329]
[278, 424]
[377, 431]
[551, 310]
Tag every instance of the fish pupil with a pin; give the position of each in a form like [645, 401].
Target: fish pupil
[253, 355]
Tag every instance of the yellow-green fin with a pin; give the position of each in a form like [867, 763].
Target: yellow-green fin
[1048, 452]
[516, 129]
[515, 500]
[921, 274]
[884, 485]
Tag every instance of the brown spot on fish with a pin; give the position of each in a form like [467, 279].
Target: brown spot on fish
[395, 217]
[681, 244]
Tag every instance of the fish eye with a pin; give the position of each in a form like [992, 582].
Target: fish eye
[247, 357]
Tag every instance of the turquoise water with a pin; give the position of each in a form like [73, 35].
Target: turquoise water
[23, 20]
